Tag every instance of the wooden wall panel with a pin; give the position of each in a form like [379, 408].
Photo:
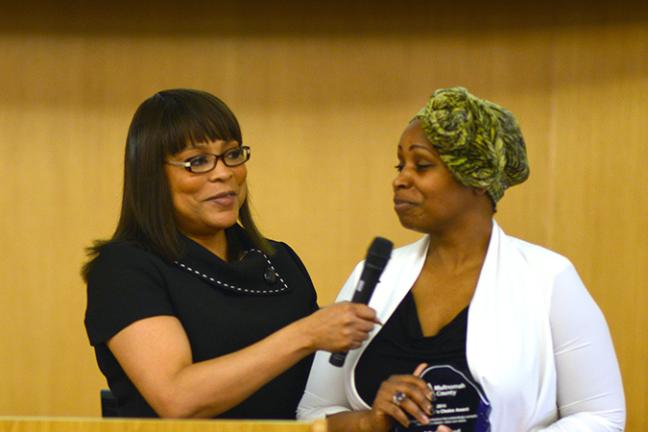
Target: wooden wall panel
[600, 204]
[322, 93]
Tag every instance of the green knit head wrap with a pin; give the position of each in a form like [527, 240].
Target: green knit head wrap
[479, 141]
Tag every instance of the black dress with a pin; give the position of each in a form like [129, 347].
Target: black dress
[223, 307]
[400, 346]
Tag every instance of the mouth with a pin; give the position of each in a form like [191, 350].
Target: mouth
[403, 204]
[223, 199]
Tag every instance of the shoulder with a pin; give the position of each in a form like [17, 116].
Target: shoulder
[282, 248]
[538, 257]
[404, 262]
[399, 256]
[119, 256]
[127, 250]
[125, 284]
[282, 251]
[543, 268]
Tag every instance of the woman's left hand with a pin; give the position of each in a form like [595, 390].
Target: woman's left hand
[399, 396]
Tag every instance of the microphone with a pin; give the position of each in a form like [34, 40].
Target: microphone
[378, 254]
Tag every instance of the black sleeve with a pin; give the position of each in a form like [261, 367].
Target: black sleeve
[125, 284]
[302, 268]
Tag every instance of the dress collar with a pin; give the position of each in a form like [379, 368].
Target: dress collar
[253, 273]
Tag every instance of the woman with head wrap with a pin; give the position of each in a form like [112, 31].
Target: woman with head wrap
[482, 331]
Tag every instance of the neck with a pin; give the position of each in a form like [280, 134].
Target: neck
[215, 243]
[462, 245]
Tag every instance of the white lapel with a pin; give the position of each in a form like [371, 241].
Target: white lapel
[507, 333]
[398, 278]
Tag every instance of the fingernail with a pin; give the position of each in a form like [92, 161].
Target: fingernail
[430, 395]
[424, 419]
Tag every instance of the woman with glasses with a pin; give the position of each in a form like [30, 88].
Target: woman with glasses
[191, 311]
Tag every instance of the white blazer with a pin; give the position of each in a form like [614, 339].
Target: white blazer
[537, 343]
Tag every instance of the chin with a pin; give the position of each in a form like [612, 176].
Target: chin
[416, 228]
[407, 223]
[222, 222]
[413, 224]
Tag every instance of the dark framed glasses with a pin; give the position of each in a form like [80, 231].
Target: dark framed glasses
[206, 162]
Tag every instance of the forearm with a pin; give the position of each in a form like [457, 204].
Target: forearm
[593, 422]
[211, 387]
[589, 387]
[156, 355]
[226, 381]
[352, 421]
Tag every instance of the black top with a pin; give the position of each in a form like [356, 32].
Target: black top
[223, 307]
[400, 346]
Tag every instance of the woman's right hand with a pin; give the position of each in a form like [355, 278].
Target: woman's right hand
[339, 327]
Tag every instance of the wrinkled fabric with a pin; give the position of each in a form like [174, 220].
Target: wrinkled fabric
[479, 141]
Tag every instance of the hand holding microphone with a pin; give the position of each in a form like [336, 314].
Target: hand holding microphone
[340, 327]
[346, 325]
[377, 257]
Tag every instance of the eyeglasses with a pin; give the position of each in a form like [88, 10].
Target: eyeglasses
[206, 162]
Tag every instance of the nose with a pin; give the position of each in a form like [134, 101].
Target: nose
[221, 172]
[402, 180]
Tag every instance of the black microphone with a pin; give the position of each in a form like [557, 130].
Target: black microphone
[377, 256]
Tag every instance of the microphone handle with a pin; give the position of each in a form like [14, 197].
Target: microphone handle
[362, 294]
[337, 359]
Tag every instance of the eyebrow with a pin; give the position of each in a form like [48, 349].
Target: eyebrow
[417, 146]
[227, 145]
[204, 144]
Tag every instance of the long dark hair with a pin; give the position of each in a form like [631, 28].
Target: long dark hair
[165, 124]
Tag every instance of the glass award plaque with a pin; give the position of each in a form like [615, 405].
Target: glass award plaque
[458, 403]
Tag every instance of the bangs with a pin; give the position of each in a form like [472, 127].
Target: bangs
[192, 117]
